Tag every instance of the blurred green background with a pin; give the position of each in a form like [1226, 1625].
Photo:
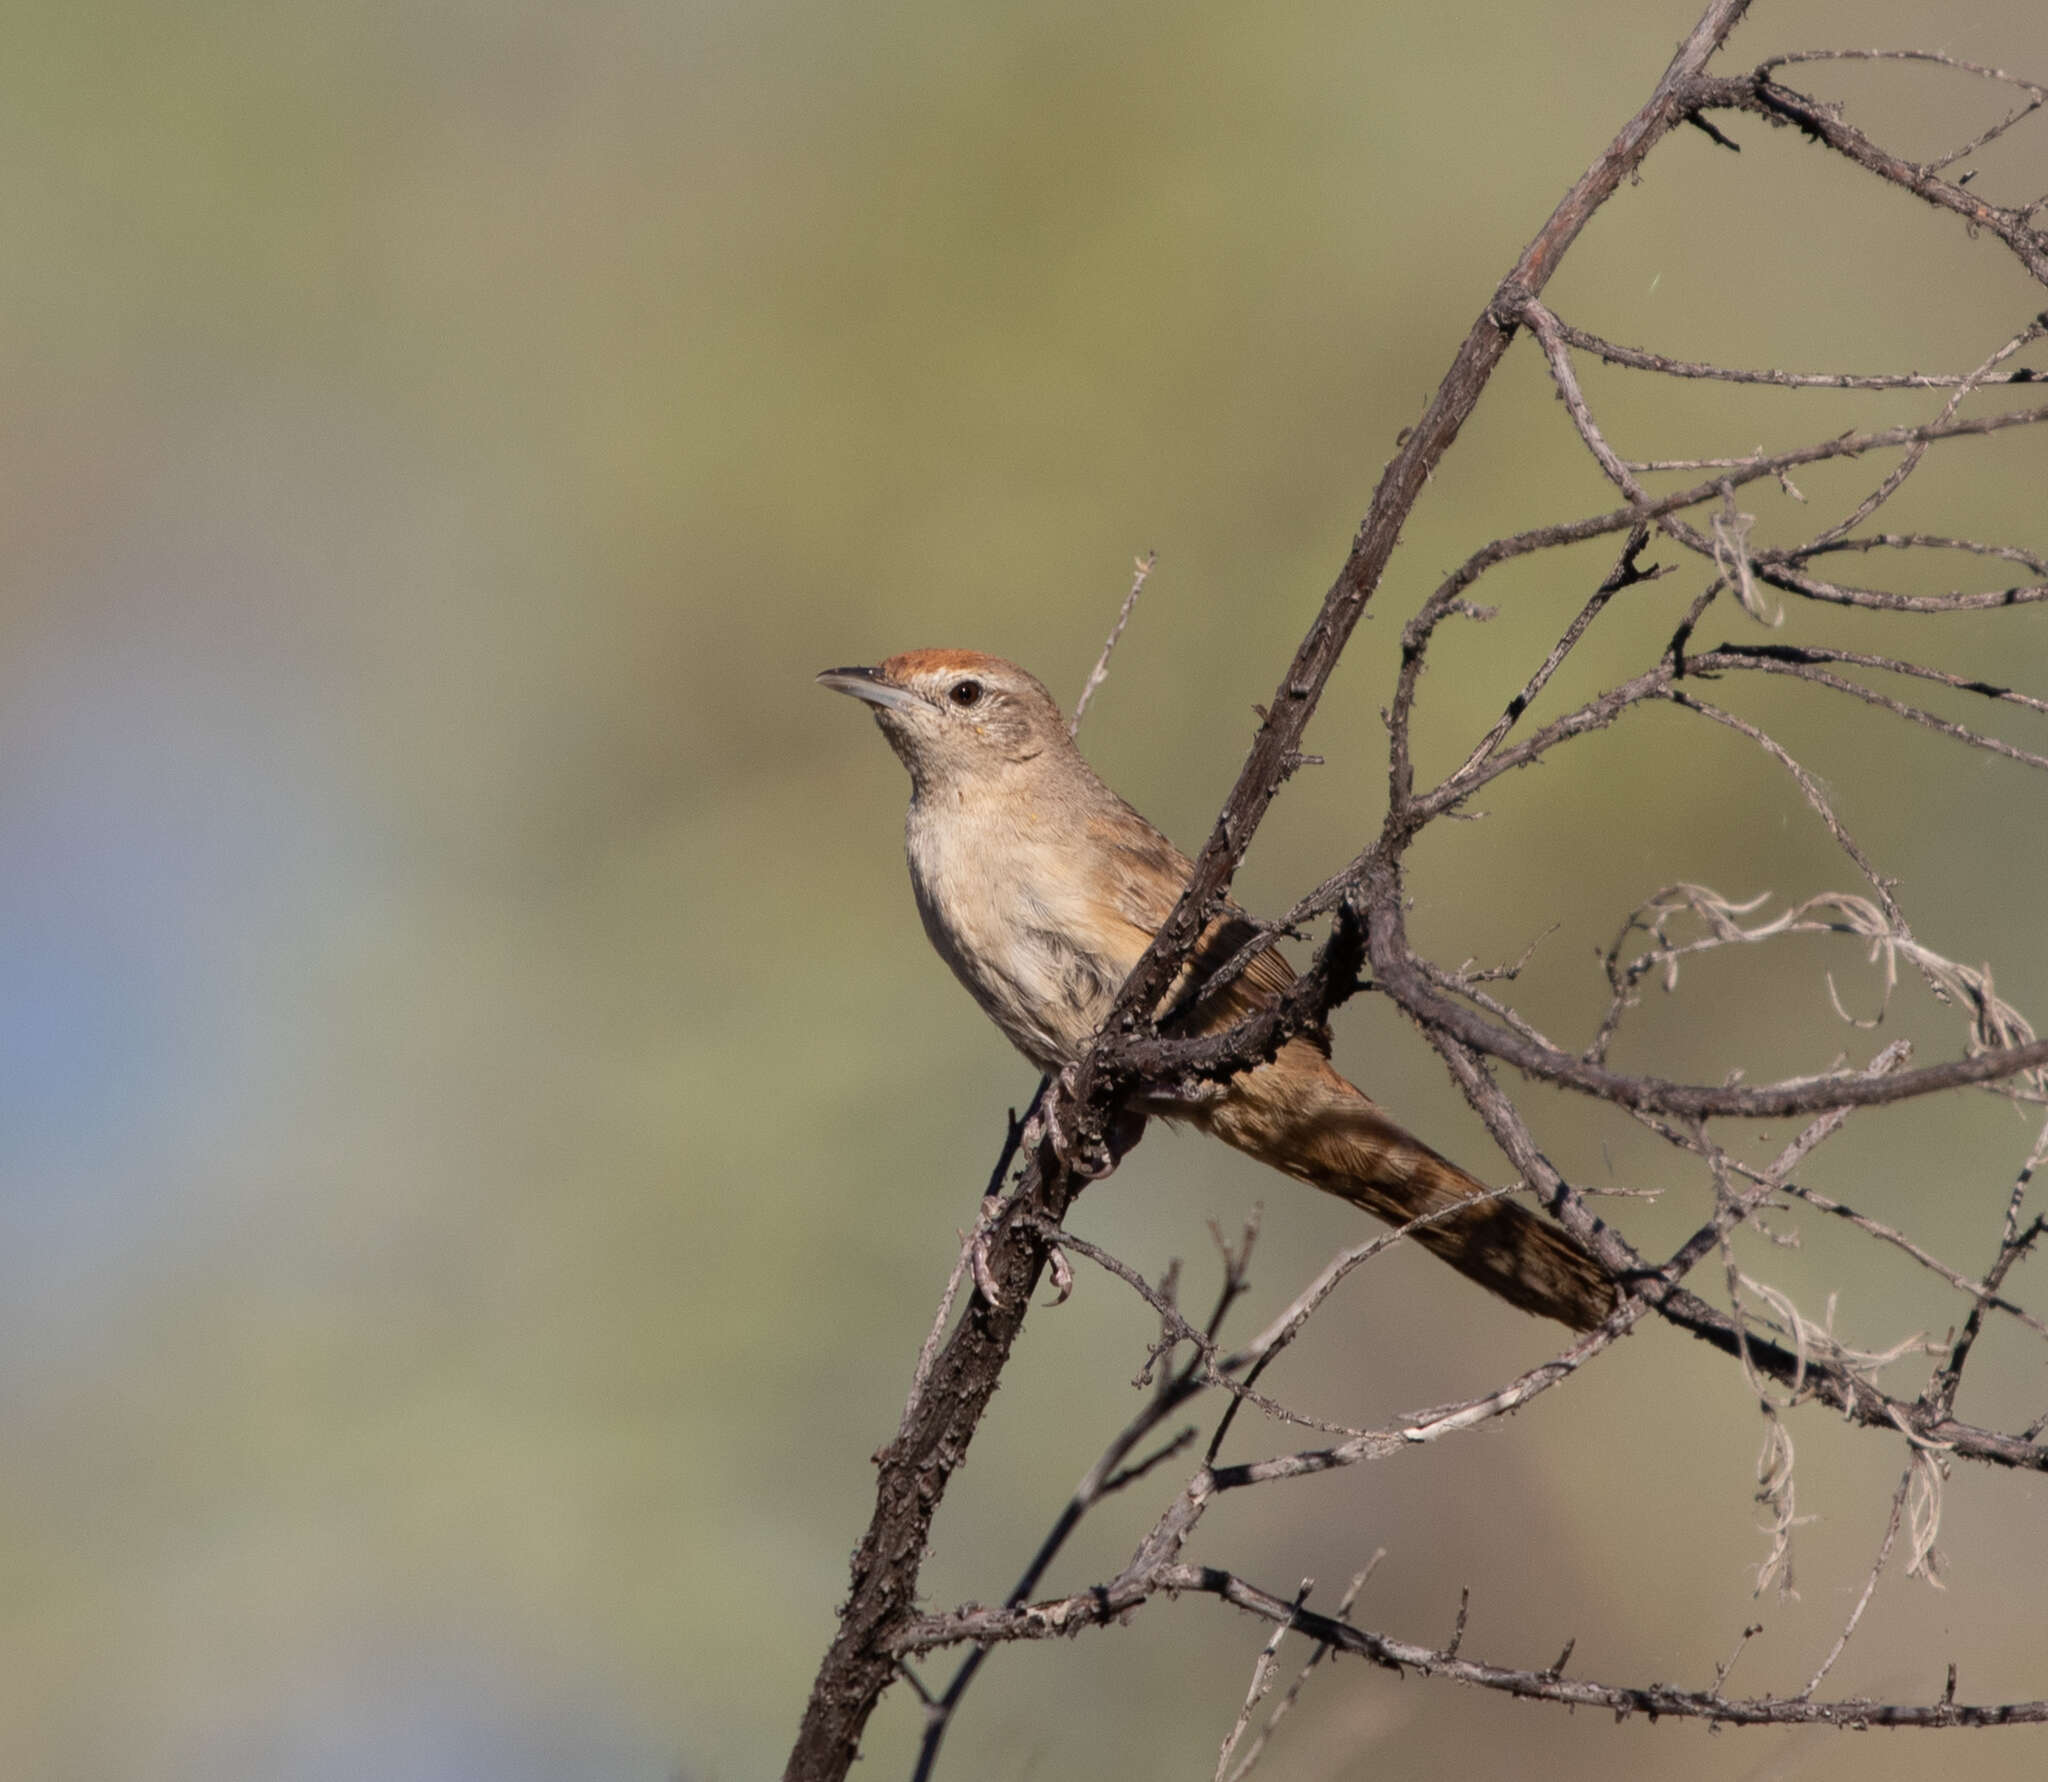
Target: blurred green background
[483, 1132]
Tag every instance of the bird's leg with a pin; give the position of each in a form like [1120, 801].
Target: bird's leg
[977, 1250]
[1036, 1128]
[1043, 1126]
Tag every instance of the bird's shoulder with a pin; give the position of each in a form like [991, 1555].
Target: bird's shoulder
[1143, 873]
[1147, 874]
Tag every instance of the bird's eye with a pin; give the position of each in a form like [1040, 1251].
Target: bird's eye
[965, 692]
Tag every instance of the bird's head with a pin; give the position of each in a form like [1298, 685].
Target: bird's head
[956, 714]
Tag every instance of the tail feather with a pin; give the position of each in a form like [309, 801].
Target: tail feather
[1300, 1116]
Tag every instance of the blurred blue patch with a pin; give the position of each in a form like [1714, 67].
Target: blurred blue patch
[441, 1717]
[81, 1056]
[160, 823]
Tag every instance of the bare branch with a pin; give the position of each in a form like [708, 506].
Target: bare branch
[1639, 359]
[1067, 1615]
[1100, 672]
[1144, 1056]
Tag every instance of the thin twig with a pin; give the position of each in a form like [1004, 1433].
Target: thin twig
[1263, 1672]
[1100, 672]
[1884, 1552]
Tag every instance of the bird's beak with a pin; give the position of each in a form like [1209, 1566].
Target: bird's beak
[867, 683]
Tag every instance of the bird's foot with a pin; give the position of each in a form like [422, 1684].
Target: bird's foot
[978, 1259]
[1052, 1124]
[978, 1247]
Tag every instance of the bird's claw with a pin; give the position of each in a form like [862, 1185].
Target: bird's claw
[977, 1251]
[1089, 1161]
[1062, 1273]
[985, 1274]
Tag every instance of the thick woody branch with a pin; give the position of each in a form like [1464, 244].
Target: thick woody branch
[914, 1471]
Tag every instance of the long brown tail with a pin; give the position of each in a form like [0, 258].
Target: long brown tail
[1299, 1115]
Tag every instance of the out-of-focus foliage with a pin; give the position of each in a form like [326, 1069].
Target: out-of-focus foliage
[480, 1130]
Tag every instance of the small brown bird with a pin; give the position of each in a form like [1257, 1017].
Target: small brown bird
[1041, 888]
